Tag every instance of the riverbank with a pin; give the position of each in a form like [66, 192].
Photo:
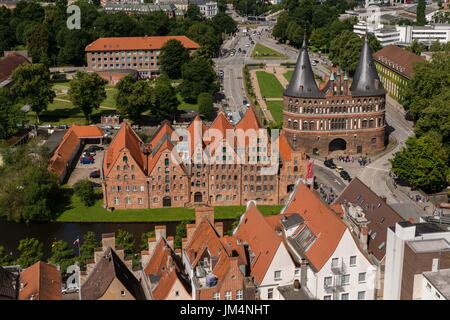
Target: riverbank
[77, 212]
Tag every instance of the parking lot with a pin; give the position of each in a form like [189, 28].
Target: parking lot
[82, 171]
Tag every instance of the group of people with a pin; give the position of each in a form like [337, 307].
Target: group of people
[328, 195]
[362, 160]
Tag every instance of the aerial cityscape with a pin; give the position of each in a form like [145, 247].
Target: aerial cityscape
[224, 150]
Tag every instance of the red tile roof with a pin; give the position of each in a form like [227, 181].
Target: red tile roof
[137, 43]
[262, 240]
[125, 139]
[9, 64]
[63, 154]
[398, 59]
[322, 222]
[41, 281]
[249, 120]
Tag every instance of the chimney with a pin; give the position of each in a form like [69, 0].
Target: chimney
[190, 228]
[345, 84]
[151, 246]
[332, 84]
[178, 252]
[219, 228]
[363, 236]
[297, 285]
[170, 241]
[202, 213]
[108, 240]
[160, 232]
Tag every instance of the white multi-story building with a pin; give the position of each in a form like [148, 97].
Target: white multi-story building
[433, 285]
[335, 266]
[412, 249]
[405, 35]
[208, 8]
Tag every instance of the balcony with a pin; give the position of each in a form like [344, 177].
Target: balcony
[338, 268]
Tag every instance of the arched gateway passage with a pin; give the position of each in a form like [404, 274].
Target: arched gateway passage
[337, 144]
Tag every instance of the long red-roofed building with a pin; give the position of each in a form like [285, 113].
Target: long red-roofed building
[219, 164]
[130, 53]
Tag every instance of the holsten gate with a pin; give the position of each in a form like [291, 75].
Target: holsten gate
[217, 165]
[338, 115]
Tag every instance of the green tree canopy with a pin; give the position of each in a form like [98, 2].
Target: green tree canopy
[32, 85]
[84, 189]
[420, 13]
[87, 247]
[205, 105]
[144, 239]
[30, 250]
[423, 163]
[62, 255]
[125, 240]
[165, 102]
[87, 91]
[172, 57]
[6, 258]
[133, 97]
[180, 233]
[198, 76]
[10, 114]
[224, 23]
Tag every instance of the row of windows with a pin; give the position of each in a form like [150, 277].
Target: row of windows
[127, 53]
[340, 109]
[118, 65]
[345, 296]
[229, 295]
[353, 101]
[335, 124]
[127, 188]
[125, 59]
[345, 280]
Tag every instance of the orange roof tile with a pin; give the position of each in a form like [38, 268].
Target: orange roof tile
[284, 147]
[137, 43]
[164, 129]
[127, 139]
[196, 130]
[398, 59]
[220, 123]
[322, 222]
[249, 120]
[9, 64]
[262, 240]
[87, 131]
[41, 281]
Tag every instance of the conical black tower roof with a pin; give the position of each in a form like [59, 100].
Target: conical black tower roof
[366, 81]
[303, 83]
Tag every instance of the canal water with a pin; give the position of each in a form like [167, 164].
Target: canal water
[11, 233]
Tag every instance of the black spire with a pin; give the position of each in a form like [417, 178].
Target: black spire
[303, 83]
[366, 81]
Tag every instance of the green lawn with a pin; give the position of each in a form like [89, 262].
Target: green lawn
[288, 75]
[269, 85]
[77, 212]
[276, 109]
[186, 106]
[262, 52]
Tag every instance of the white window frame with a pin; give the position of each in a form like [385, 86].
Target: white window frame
[228, 295]
[359, 277]
[275, 275]
[216, 296]
[352, 264]
[239, 295]
[363, 293]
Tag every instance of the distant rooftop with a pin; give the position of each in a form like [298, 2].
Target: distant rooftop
[290, 293]
[440, 280]
[433, 245]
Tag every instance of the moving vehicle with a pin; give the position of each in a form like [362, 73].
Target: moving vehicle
[94, 174]
[329, 164]
[70, 290]
[339, 168]
[344, 175]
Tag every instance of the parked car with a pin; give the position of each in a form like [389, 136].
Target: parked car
[88, 153]
[329, 164]
[94, 148]
[344, 175]
[87, 160]
[94, 174]
[107, 127]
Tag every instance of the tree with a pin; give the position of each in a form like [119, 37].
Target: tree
[319, 39]
[155, 23]
[38, 42]
[144, 239]
[165, 102]
[173, 56]
[420, 13]
[133, 97]
[430, 80]
[205, 105]
[180, 233]
[62, 255]
[30, 252]
[206, 35]
[345, 49]
[423, 163]
[88, 246]
[87, 91]
[5, 257]
[10, 114]
[224, 23]
[28, 191]
[84, 189]
[279, 30]
[125, 240]
[32, 85]
[72, 44]
[416, 47]
[193, 13]
[198, 76]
